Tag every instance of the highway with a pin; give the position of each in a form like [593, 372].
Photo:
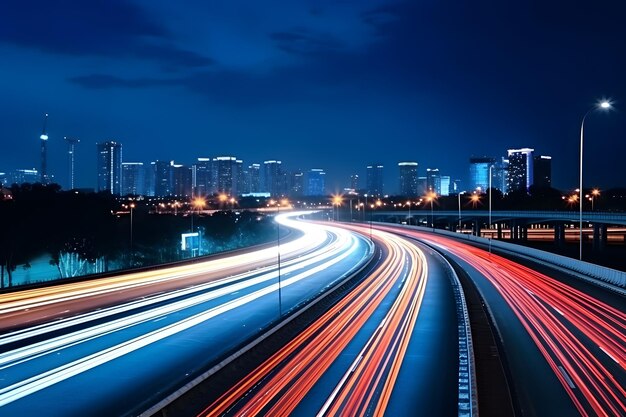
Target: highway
[139, 336]
[565, 347]
[388, 347]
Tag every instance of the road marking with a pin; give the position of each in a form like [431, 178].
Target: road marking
[567, 378]
[609, 355]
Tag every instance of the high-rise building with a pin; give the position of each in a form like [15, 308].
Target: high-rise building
[181, 180]
[455, 186]
[163, 179]
[354, 182]
[542, 174]
[133, 178]
[408, 179]
[227, 173]
[520, 169]
[316, 182]
[422, 185]
[71, 148]
[254, 181]
[479, 173]
[445, 185]
[240, 178]
[374, 180]
[149, 176]
[500, 175]
[296, 186]
[109, 167]
[273, 178]
[201, 177]
[21, 176]
[433, 180]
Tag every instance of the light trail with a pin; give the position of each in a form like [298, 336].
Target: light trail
[571, 329]
[29, 299]
[279, 384]
[308, 261]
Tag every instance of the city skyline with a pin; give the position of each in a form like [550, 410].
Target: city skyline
[321, 84]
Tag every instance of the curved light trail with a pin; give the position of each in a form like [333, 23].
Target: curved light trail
[582, 338]
[278, 385]
[64, 349]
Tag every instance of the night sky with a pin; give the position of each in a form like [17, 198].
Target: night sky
[317, 84]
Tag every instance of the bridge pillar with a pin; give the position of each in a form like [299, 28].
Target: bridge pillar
[476, 227]
[524, 232]
[499, 228]
[514, 230]
[559, 234]
[599, 236]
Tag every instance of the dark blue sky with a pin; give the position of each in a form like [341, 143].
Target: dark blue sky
[317, 84]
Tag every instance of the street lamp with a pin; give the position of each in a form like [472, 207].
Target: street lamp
[459, 197]
[284, 202]
[603, 105]
[132, 206]
[337, 200]
[431, 197]
[594, 193]
[409, 219]
[489, 225]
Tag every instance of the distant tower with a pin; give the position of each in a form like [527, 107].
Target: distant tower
[44, 152]
[71, 144]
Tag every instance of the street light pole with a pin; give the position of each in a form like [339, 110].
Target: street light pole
[602, 105]
[132, 206]
[280, 295]
[459, 197]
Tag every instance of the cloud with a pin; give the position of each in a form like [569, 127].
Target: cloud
[102, 81]
[302, 41]
[110, 28]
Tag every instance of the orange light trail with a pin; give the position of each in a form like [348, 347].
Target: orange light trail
[291, 372]
[554, 315]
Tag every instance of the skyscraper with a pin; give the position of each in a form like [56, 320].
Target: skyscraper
[520, 169]
[273, 178]
[479, 173]
[254, 181]
[201, 177]
[433, 180]
[501, 175]
[542, 175]
[316, 182]
[71, 148]
[408, 179]
[227, 174]
[133, 178]
[109, 167]
[163, 181]
[445, 185]
[296, 186]
[374, 180]
[354, 182]
[181, 180]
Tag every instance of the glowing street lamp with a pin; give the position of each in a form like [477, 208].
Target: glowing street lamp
[459, 197]
[337, 200]
[285, 203]
[431, 197]
[594, 193]
[603, 105]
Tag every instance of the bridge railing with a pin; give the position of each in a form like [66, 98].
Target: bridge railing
[593, 271]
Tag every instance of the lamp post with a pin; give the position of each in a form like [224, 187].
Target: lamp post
[197, 203]
[489, 225]
[280, 295]
[409, 219]
[604, 105]
[431, 197]
[459, 197]
[132, 206]
[594, 193]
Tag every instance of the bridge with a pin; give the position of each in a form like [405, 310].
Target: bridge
[517, 222]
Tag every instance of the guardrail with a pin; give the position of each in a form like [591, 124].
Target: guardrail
[593, 271]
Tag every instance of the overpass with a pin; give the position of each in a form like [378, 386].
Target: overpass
[516, 221]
